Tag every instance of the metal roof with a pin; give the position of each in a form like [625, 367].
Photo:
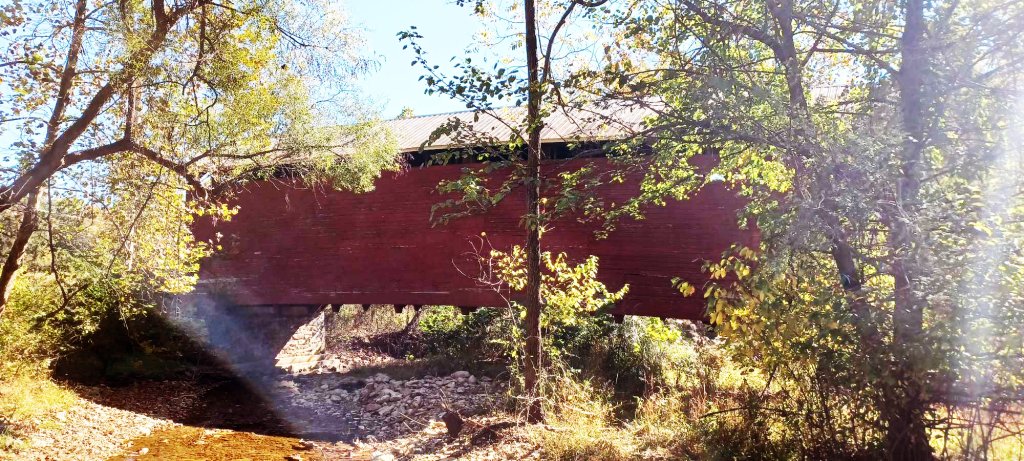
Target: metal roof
[498, 125]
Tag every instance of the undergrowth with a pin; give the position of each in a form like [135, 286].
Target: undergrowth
[643, 389]
[680, 401]
[29, 401]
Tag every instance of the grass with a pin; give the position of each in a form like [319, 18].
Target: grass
[580, 424]
[586, 418]
[32, 398]
[29, 401]
[9, 443]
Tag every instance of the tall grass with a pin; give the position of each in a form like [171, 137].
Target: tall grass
[691, 404]
[29, 401]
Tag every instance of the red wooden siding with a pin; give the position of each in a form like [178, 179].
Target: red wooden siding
[290, 244]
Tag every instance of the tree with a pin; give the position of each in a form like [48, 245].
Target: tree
[481, 89]
[863, 134]
[533, 302]
[210, 93]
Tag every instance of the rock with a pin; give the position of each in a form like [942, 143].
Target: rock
[372, 407]
[350, 383]
[453, 422]
[295, 457]
[461, 374]
[39, 441]
[382, 456]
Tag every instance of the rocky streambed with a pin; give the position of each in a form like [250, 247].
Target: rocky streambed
[379, 406]
[320, 414]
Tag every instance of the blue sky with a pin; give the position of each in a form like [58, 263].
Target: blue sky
[447, 30]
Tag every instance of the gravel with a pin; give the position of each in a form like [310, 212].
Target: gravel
[392, 418]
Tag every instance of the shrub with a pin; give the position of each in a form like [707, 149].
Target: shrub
[353, 321]
[698, 403]
[477, 335]
[107, 328]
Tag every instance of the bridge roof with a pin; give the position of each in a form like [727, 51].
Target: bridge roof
[500, 125]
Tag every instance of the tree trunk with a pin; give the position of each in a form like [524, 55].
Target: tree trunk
[533, 301]
[907, 437]
[30, 217]
[414, 322]
[29, 222]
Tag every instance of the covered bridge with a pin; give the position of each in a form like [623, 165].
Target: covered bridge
[291, 245]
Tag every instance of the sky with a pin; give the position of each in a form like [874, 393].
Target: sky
[447, 29]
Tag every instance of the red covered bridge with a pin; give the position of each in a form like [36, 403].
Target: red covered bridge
[293, 245]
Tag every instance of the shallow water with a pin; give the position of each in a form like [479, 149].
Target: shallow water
[235, 421]
[187, 443]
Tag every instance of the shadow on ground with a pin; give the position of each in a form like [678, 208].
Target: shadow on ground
[196, 389]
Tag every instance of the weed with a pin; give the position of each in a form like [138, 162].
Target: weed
[32, 397]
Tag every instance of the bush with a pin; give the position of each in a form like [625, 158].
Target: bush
[104, 332]
[698, 403]
[353, 322]
[646, 388]
[474, 336]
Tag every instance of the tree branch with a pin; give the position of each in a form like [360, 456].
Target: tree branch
[747, 30]
[176, 168]
[54, 159]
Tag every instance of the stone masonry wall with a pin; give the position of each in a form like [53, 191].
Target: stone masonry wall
[256, 337]
[303, 349]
